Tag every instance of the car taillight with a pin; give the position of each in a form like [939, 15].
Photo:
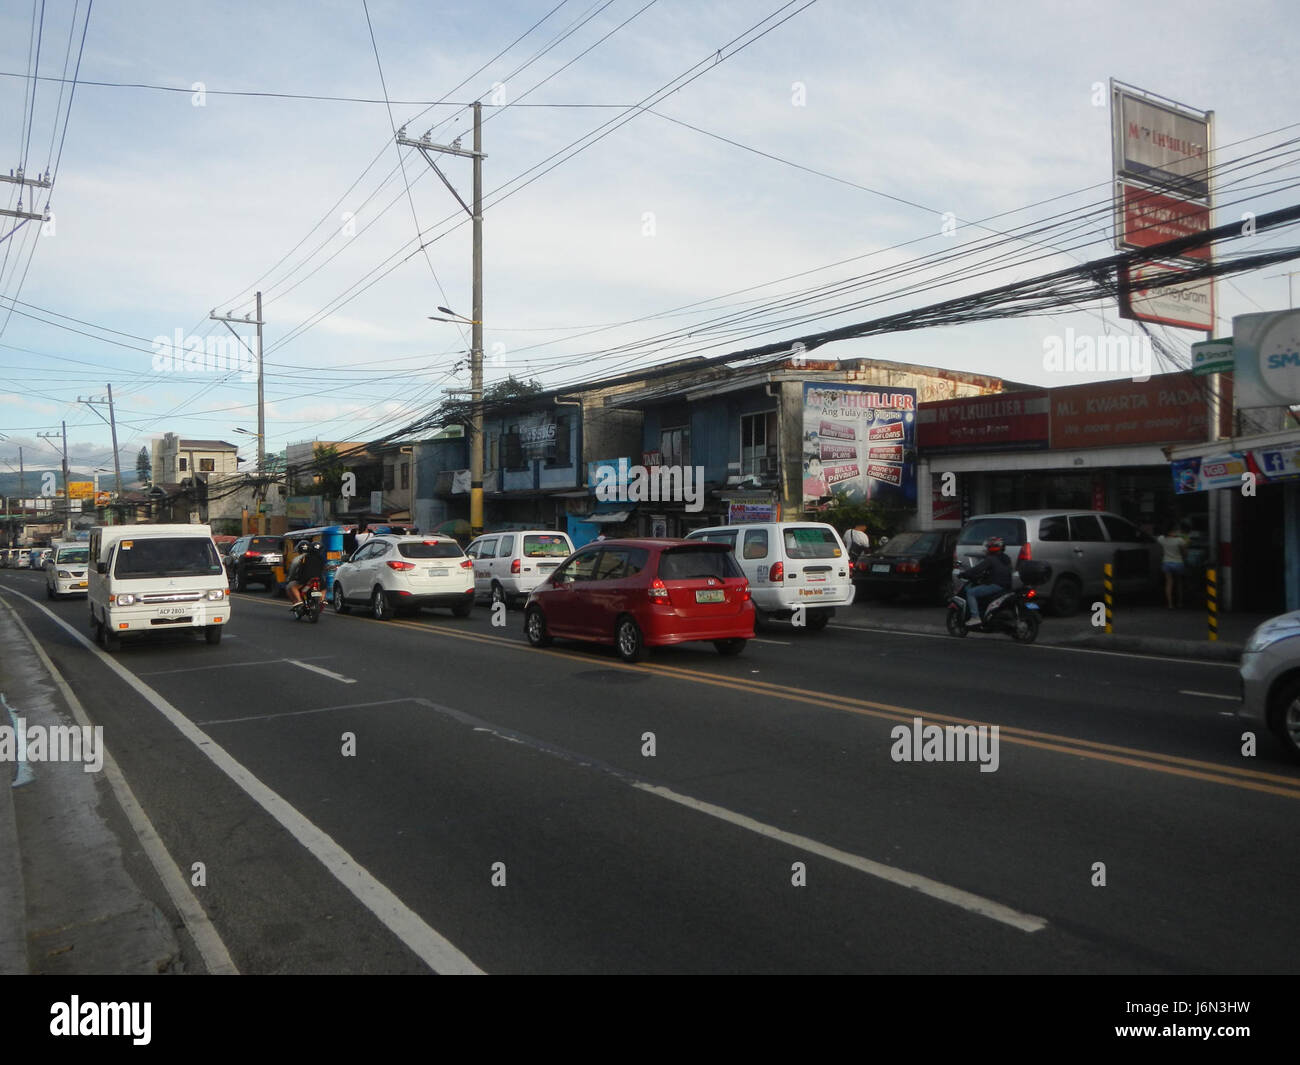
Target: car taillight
[252, 554]
[1026, 553]
[908, 567]
[401, 565]
[744, 592]
[1031, 594]
[778, 572]
[514, 566]
[658, 591]
[466, 563]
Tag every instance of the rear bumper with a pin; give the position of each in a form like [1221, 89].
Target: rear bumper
[664, 626]
[422, 599]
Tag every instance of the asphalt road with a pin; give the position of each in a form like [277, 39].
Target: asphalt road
[502, 810]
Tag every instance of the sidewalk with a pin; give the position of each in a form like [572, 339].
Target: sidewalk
[1153, 630]
[68, 903]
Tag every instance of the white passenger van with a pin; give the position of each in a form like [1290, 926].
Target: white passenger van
[509, 565]
[151, 578]
[790, 564]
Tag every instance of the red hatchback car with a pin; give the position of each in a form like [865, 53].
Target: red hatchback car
[644, 593]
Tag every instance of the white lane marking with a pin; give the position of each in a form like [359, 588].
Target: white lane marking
[323, 672]
[1044, 646]
[936, 889]
[220, 665]
[216, 958]
[1210, 695]
[779, 643]
[434, 949]
[299, 713]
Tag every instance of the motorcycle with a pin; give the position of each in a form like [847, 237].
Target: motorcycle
[313, 602]
[1015, 611]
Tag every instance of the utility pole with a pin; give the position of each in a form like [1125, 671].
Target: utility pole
[67, 503]
[425, 146]
[16, 178]
[112, 424]
[260, 492]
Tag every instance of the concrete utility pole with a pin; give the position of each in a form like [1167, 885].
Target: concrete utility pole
[112, 424]
[67, 502]
[425, 146]
[226, 319]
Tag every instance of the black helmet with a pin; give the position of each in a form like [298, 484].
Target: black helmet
[994, 544]
[304, 545]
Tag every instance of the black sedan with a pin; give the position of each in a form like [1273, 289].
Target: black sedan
[912, 563]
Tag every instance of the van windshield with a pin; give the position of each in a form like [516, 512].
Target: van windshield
[188, 556]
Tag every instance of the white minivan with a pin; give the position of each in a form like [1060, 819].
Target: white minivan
[509, 565]
[65, 572]
[151, 578]
[790, 564]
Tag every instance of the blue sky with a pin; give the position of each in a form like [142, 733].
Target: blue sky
[164, 210]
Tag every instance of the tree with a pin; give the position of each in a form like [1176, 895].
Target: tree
[511, 388]
[327, 470]
[880, 520]
[143, 466]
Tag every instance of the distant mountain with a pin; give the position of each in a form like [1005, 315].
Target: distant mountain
[31, 479]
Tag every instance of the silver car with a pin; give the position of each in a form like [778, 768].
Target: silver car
[1270, 680]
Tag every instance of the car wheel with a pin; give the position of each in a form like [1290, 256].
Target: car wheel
[499, 595]
[956, 624]
[110, 640]
[49, 592]
[380, 607]
[462, 610]
[535, 628]
[241, 580]
[212, 633]
[340, 604]
[1284, 717]
[1025, 629]
[628, 640]
[817, 620]
[1066, 596]
[729, 648]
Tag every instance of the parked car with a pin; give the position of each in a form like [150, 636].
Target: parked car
[1270, 680]
[65, 572]
[509, 565]
[23, 559]
[910, 563]
[1077, 544]
[637, 594]
[405, 573]
[254, 558]
[789, 564]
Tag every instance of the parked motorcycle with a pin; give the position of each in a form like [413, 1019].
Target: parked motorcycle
[313, 602]
[1015, 612]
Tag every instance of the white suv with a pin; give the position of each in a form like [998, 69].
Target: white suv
[405, 573]
[790, 564]
[509, 565]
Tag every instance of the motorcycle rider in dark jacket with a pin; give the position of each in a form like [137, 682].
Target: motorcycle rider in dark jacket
[987, 578]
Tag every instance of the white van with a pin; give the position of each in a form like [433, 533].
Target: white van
[65, 572]
[149, 578]
[790, 564]
[509, 565]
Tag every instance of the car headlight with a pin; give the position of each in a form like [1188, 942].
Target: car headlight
[217, 593]
[126, 599]
[64, 574]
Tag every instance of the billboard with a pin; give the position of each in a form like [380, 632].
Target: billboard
[81, 489]
[1266, 358]
[1167, 409]
[1160, 142]
[859, 444]
[1145, 294]
[1009, 421]
[1148, 218]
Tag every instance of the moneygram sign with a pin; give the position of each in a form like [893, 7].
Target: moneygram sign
[1149, 293]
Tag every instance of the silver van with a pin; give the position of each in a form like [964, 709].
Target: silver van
[1077, 544]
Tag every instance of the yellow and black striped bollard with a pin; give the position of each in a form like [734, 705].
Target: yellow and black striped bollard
[1108, 588]
[1212, 602]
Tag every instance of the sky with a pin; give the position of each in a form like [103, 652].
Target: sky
[832, 140]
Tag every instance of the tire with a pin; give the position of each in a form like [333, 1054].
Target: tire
[380, 608]
[535, 628]
[49, 592]
[462, 610]
[212, 633]
[498, 595]
[730, 648]
[1025, 627]
[628, 640]
[110, 640]
[339, 603]
[956, 623]
[314, 611]
[1066, 597]
[1284, 717]
[241, 580]
[817, 620]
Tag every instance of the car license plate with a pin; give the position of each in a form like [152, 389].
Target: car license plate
[815, 577]
[174, 610]
[1031, 606]
[717, 595]
[880, 569]
[436, 571]
[80, 584]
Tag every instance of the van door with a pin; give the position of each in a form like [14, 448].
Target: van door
[1090, 546]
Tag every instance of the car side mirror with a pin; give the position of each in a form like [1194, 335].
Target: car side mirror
[101, 567]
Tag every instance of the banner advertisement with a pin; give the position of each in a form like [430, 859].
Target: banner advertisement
[1266, 359]
[859, 444]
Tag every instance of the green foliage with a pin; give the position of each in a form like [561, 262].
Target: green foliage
[327, 470]
[511, 388]
[143, 466]
[880, 519]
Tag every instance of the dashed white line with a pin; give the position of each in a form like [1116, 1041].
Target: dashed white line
[323, 672]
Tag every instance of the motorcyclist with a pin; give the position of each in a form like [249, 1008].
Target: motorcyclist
[308, 564]
[987, 578]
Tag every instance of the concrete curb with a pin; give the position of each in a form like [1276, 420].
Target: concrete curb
[13, 893]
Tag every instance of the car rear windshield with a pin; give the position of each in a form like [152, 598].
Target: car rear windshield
[913, 543]
[687, 563]
[1012, 531]
[431, 549]
[265, 544]
[164, 557]
[74, 556]
[811, 542]
[542, 546]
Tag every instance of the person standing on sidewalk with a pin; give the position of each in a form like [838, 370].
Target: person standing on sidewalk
[1173, 562]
